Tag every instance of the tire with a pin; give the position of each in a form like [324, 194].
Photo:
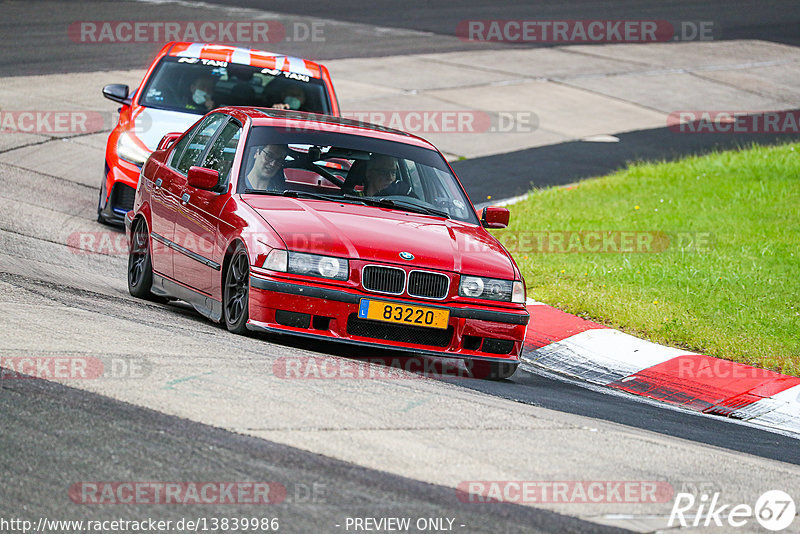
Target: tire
[493, 370]
[236, 292]
[140, 266]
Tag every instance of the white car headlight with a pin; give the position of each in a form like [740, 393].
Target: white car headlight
[492, 289]
[130, 151]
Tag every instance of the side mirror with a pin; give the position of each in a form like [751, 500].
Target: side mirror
[117, 92]
[495, 217]
[203, 178]
[168, 140]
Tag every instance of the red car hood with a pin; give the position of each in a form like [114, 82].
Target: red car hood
[378, 234]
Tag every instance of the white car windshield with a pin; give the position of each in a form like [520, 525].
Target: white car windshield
[197, 86]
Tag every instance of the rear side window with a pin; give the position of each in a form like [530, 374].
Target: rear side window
[199, 142]
[220, 156]
[178, 150]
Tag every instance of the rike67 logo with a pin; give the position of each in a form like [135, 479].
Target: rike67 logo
[774, 510]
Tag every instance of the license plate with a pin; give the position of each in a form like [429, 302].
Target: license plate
[394, 312]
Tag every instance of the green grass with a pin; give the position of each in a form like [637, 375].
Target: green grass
[737, 297]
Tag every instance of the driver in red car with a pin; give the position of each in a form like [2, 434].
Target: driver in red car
[381, 173]
[267, 172]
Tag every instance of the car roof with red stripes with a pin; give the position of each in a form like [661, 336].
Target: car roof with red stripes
[245, 56]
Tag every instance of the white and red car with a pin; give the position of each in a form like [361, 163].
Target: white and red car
[183, 83]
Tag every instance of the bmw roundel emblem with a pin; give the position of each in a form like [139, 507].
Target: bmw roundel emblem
[406, 255]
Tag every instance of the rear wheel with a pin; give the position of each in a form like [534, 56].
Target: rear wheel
[493, 370]
[140, 267]
[236, 295]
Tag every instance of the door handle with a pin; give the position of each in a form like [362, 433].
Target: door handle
[158, 183]
[185, 198]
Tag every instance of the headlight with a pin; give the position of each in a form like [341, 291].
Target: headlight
[277, 260]
[331, 268]
[471, 286]
[492, 289]
[518, 293]
[316, 265]
[130, 151]
[308, 264]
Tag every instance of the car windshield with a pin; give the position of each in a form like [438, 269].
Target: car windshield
[350, 168]
[195, 85]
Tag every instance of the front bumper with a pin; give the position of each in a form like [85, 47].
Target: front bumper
[472, 332]
[112, 206]
[119, 202]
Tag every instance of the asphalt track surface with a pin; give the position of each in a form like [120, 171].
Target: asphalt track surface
[82, 433]
[773, 21]
[539, 390]
[78, 434]
[36, 30]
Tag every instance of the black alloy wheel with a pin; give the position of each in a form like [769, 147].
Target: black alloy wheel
[140, 267]
[237, 291]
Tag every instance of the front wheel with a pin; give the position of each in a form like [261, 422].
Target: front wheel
[493, 370]
[236, 295]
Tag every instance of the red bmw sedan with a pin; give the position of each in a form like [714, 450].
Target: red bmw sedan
[311, 225]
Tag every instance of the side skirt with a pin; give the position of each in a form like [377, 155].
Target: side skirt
[164, 287]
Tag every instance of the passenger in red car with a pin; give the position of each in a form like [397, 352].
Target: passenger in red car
[267, 171]
[381, 173]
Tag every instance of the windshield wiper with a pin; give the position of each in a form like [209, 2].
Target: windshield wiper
[261, 192]
[407, 206]
[318, 196]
